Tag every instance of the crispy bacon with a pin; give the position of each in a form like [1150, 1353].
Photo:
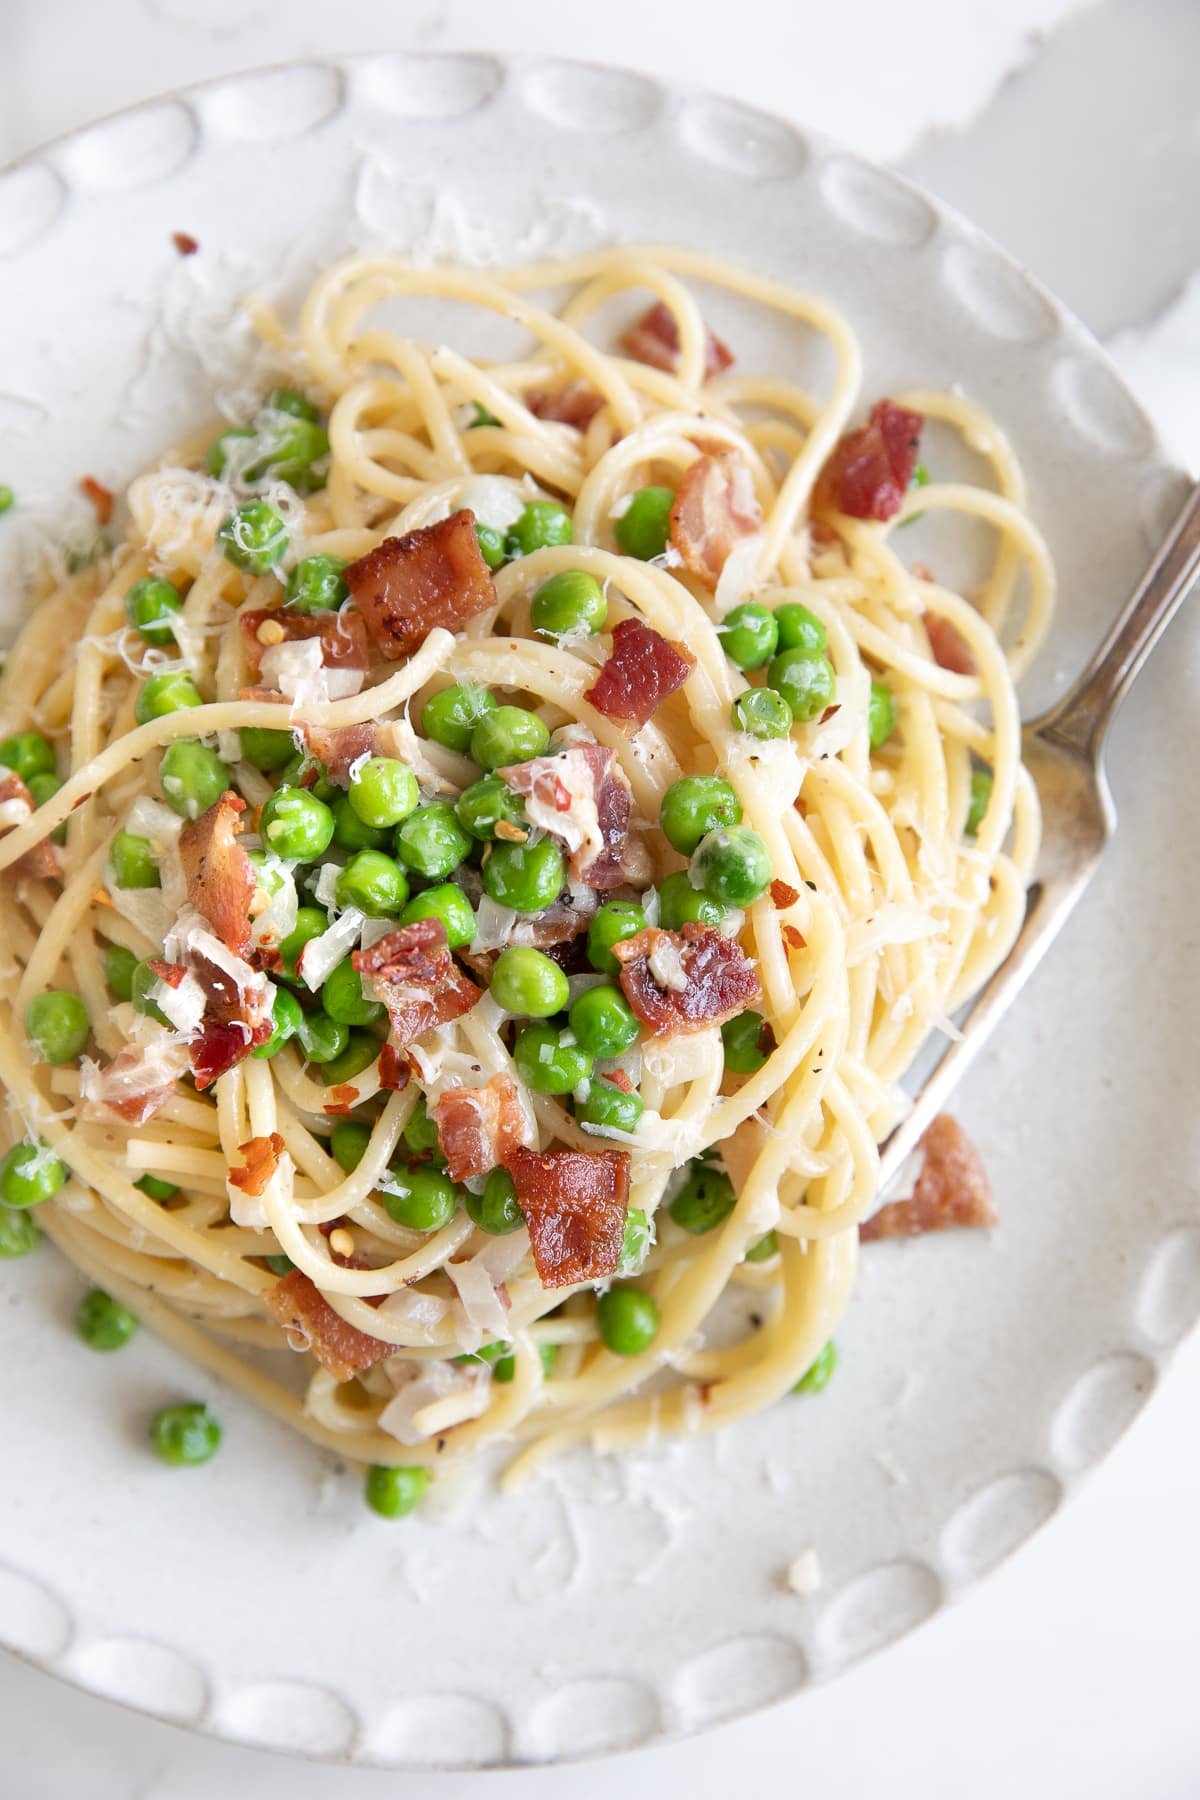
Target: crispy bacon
[435, 576]
[574, 1203]
[580, 794]
[137, 1083]
[718, 979]
[643, 668]
[479, 1127]
[950, 648]
[237, 1018]
[16, 805]
[343, 636]
[951, 1190]
[311, 1324]
[868, 470]
[222, 1045]
[576, 404]
[185, 243]
[100, 497]
[219, 874]
[337, 748]
[260, 1159]
[715, 505]
[417, 979]
[654, 339]
[394, 1072]
[783, 895]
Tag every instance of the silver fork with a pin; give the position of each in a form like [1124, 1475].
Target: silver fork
[1064, 752]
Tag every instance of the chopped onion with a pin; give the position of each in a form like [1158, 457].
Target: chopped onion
[321, 955]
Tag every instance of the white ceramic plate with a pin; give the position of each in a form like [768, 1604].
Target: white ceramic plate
[980, 1377]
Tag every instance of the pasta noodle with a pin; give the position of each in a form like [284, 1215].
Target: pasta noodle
[886, 909]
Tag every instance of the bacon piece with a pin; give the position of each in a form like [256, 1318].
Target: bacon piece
[951, 1190]
[950, 648]
[574, 1203]
[219, 874]
[408, 585]
[339, 747]
[868, 470]
[715, 505]
[783, 895]
[479, 1127]
[312, 1324]
[417, 979]
[643, 668]
[260, 1159]
[654, 339]
[16, 805]
[100, 497]
[137, 1083]
[716, 978]
[237, 1017]
[576, 404]
[582, 796]
[343, 636]
[185, 243]
[222, 1045]
[394, 1072]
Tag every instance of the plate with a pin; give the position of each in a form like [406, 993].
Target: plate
[613, 1603]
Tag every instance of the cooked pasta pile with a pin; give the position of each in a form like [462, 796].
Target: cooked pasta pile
[483, 851]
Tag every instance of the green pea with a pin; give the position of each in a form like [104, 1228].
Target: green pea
[481, 416]
[748, 1041]
[763, 1248]
[548, 1065]
[732, 866]
[639, 1235]
[383, 791]
[57, 1026]
[482, 806]
[527, 877]
[420, 1133]
[7, 498]
[296, 825]
[321, 1038]
[43, 787]
[344, 998]
[304, 771]
[570, 601]
[254, 538]
[529, 983]
[30, 1174]
[750, 635]
[163, 694]
[28, 754]
[348, 1143]
[613, 922]
[119, 964]
[628, 1320]
[150, 607]
[349, 832]
[918, 479]
[86, 551]
[431, 842]
[508, 734]
[679, 904]
[704, 1201]
[800, 629]
[286, 1014]
[448, 904]
[217, 460]
[506, 1366]
[311, 922]
[315, 584]
[103, 1323]
[156, 1189]
[289, 449]
[266, 749]
[18, 1233]
[806, 680]
[819, 1373]
[981, 794]
[762, 713]
[603, 1021]
[374, 883]
[609, 1107]
[279, 1265]
[451, 715]
[132, 862]
[645, 526]
[192, 777]
[289, 400]
[695, 805]
[497, 1210]
[542, 524]
[394, 1492]
[881, 714]
[142, 984]
[360, 1052]
[492, 546]
[185, 1435]
[421, 1198]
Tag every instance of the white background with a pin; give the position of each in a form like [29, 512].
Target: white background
[1070, 130]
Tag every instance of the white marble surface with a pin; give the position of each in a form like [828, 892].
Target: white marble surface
[1068, 129]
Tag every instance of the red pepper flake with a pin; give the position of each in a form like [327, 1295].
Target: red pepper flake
[793, 937]
[260, 1160]
[185, 243]
[783, 895]
[344, 1098]
[100, 497]
[829, 712]
[619, 1079]
[171, 973]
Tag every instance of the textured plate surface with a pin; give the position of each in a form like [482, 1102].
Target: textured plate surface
[616, 1602]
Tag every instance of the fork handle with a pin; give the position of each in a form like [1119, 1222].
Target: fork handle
[1083, 716]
